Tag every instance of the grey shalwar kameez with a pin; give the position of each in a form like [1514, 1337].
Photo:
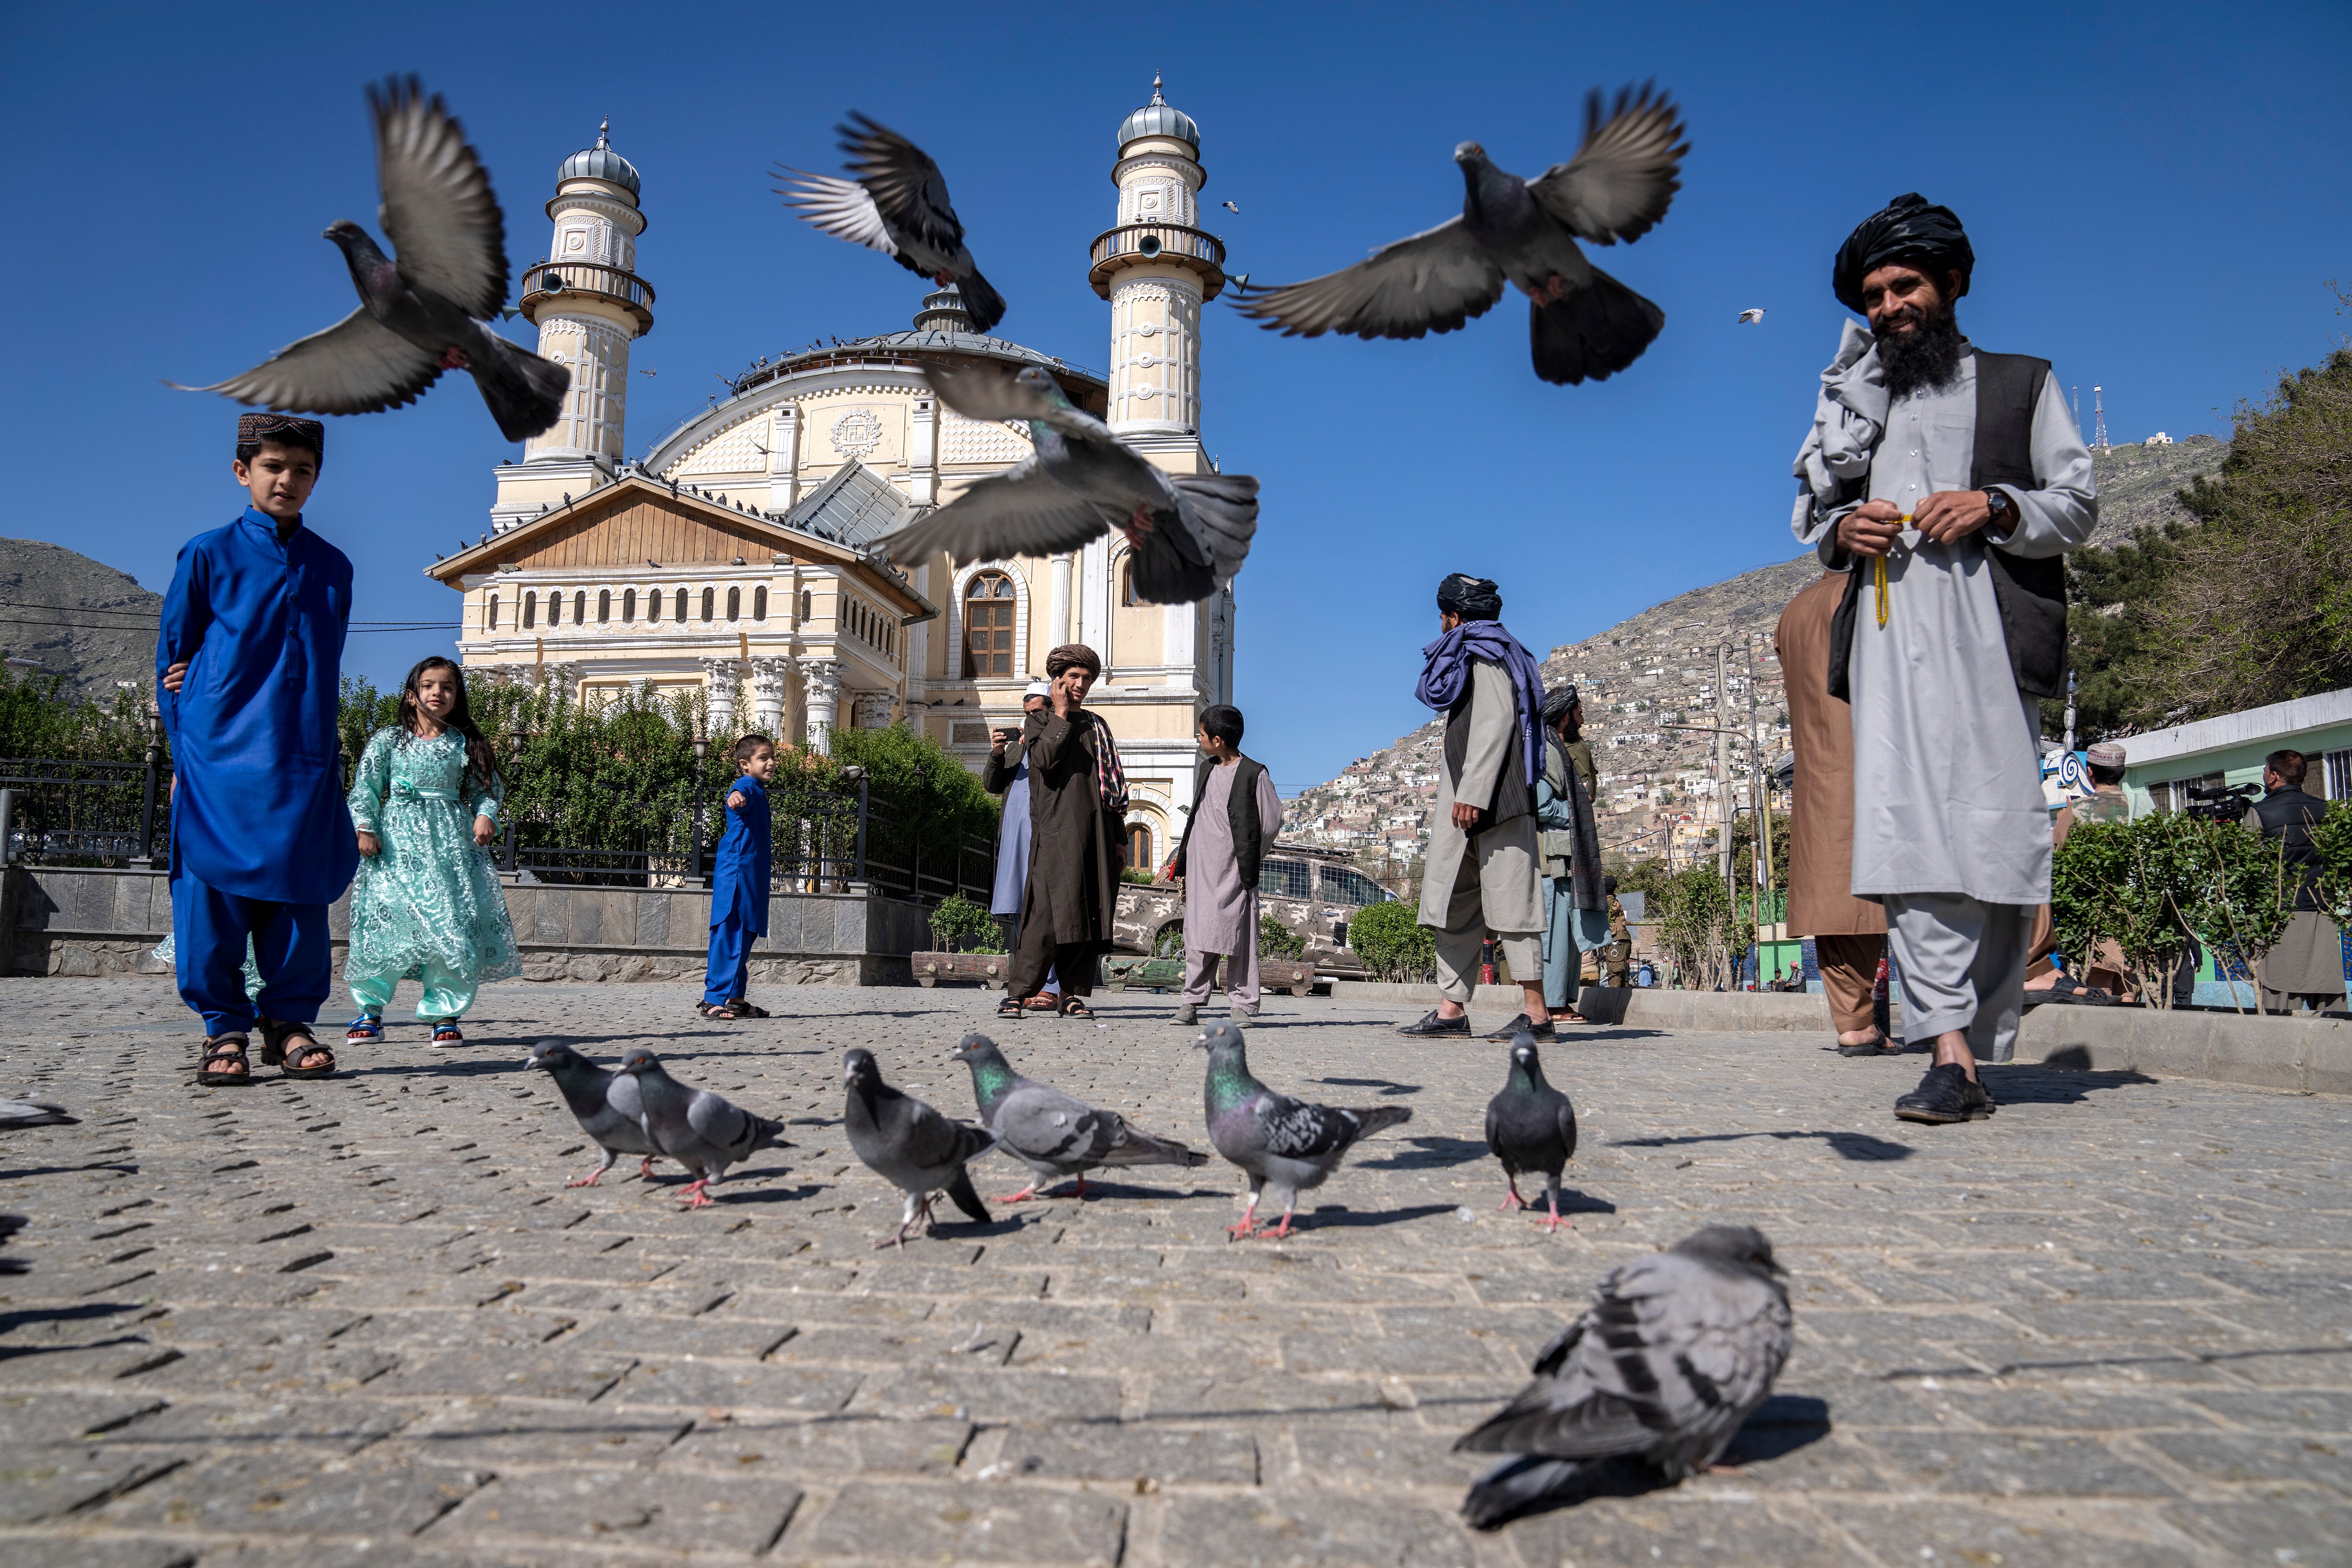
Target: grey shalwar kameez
[1950, 832]
[1468, 889]
[1220, 913]
[1011, 844]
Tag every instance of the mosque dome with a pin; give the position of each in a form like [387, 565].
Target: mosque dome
[601, 162]
[1160, 118]
[943, 312]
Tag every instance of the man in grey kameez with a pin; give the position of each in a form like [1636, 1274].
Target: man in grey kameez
[1962, 471]
[1235, 815]
[1012, 781]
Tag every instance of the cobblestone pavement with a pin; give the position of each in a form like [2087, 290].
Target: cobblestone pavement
[364, 1321]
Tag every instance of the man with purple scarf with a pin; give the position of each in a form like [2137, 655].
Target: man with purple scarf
[1483, 873]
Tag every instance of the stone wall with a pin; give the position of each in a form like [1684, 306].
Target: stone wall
[74, 921]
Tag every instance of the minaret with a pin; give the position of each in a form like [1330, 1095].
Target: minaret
[1157, 268]
[589, 304]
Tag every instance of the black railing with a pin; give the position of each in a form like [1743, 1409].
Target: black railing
[64, 812]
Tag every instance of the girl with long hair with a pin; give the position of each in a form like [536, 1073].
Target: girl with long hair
[426, 904]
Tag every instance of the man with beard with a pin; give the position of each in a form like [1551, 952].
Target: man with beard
[1946, 482]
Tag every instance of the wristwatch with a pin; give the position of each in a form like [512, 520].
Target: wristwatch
[2000, 512]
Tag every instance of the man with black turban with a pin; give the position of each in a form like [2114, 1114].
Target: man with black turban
[1482, 871]
[1946, 482]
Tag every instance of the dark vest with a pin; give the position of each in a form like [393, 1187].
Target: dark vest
[2032, 592]
[2288, 816]
[1241, 813]
[1512, 796]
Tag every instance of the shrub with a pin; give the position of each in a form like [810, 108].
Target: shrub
[959, 925]
[1393, 943]
[1273, 937]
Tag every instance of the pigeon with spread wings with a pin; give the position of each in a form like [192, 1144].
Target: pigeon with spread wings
[1190, 532]
[422, 311]
[1583, 323]
[898, 206]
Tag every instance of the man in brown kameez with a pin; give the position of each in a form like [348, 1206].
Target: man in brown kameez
[1077, 808]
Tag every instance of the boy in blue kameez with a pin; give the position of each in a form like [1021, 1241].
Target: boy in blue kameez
[247, 668]
[739, 884]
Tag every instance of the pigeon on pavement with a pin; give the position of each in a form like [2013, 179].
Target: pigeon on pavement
[1278, 1142]
[1531, 1128]
[1190, 532]
[898, 206]
[1051, 1133]
[1675, 1353]
[911, 1145]
[695, 1126]
[1582, 323]
[22, 1112]
[606, 1105]
[1745, 317]
[424, 312]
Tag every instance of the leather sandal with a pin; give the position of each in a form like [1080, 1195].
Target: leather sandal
[224, 1048]
[1011, 1007]
[1075, 1007]
[276, 1051]
[741, 1009]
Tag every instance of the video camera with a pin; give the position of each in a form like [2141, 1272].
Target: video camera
[2220, 803]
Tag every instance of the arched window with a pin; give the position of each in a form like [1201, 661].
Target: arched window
[603, 607]
[805, 603]
[530, 611]
[555, 608]
[680, 615]
[629, 605]
[758, 604]
[987, 625]
[1126, 582]
[710, 603]
[734, 604]
[490, 613]
[579, 607]
[1138, 846]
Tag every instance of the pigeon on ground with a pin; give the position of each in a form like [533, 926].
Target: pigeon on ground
[424, 312]
[1278, 1142]
[695, 1126]
[1190, 532]
[1582, 323]
[1675, 1353]
[898, 206]
[606, 1105]
[1531, 1128]
[911, 1145]
[20, 1112]
[1051, 1133]
[1746, 317]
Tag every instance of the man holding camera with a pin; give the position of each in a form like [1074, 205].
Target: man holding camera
[2306, 962]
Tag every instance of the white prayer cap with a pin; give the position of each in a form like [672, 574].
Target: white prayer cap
[1036, 689]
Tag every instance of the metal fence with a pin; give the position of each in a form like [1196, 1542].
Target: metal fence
[63, 812]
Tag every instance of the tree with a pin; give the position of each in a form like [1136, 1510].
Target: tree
[38, 720]
[1392, 942]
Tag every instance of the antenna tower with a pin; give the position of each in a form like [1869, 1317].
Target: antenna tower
[2099, 412]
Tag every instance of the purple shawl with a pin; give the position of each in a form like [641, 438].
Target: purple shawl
[1446, 677]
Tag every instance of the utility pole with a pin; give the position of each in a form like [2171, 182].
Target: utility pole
[2070, 710]
[1722, 771]
[2099, 412]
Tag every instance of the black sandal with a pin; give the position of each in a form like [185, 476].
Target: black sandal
[224, 1048]
[740, 1008]
[275, 1034]
[1075, 1007]
[720, 1010]
[1011, 1007]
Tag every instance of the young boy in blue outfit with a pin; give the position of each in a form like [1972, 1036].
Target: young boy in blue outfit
[247, 669]
[739, 884]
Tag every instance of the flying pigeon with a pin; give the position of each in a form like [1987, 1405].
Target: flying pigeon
[1582, 321]
[898, 206]
[911, 1145]
[606, 1105]
[695, 1126]
[424, 311]
[18, 1112]
[1277, 1141]
[1531, 1128]
[1190, 532]
[1755, 315]
[1676, 1350]
[1233, 209]
[1049, 1131]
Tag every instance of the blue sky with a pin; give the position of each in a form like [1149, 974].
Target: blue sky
[2155, 193]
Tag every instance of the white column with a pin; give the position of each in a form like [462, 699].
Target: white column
[784, 458]
[768, 678]
[871, 710]
[1057, 615]
[562, 678]
[923, 452]
[1094, 595]
[821, 679]
[724, 675]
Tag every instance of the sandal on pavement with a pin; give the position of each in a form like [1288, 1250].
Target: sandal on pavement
[365, 1030]
[448, 1035]
[741, 1009]
[289, 1046]
[224, 1048]
[1011, 1007]
[715, 1010]
[1075, 1007]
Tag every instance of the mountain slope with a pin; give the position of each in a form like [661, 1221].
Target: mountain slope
[46, 594]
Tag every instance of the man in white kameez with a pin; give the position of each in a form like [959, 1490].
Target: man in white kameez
[1947, 481]
[1236, 815]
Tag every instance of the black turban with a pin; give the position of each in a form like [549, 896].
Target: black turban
[1472, 598]
[1557, 702]
[1908, 229]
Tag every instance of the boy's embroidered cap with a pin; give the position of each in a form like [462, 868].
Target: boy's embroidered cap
[268, 427]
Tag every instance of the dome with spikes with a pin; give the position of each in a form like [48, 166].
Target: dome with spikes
[601, 162]
[1160, 118]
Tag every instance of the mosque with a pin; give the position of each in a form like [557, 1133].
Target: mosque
[738, 557]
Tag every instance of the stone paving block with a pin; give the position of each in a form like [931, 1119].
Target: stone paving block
[2003, 1464]
[1306, 1529]
[537, 1374]
[82, 1550]
[743, 1339]
[1391, 1453]
[271, 1371]
[691, 1384]
[1104, 1452]
[929, 1344]
[1270, 1396]
[31, 1419]
[2296, 1368]
[671, 1514]
[59, 1480]
[67, 1364]
[870, 1523]
[2240, 1459]
[324, 1426]
[498, 1433]
[829, 1446]
[284, 1494]
[991, 1397]
[1324, 1351]
[2307, 1529]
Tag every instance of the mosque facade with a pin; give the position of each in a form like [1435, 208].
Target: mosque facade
[738, 557]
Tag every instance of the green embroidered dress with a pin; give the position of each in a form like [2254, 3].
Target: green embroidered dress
[427, 905]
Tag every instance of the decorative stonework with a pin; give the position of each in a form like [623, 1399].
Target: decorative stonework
[725, 676]
[820, 680]
[857, 433]
[871, 710]
[981, 440]
[770, 687]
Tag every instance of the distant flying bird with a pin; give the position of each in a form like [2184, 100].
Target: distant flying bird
[1190, 532]
[648, 373]
[1583, 323]
[1231, 208]
[1755, 315]
[423, 312]
[898, 206]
